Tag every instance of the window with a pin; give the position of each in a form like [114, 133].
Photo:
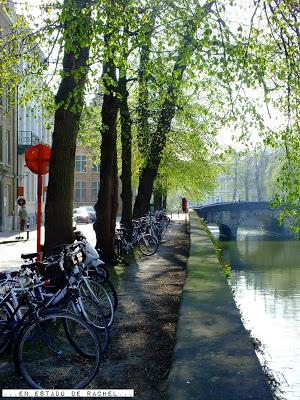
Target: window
[1, 144]
[80, 191]
[96, 168]
[80, 163]
[95, 190]
[8, 147]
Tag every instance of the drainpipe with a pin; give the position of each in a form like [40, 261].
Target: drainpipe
[17, 160]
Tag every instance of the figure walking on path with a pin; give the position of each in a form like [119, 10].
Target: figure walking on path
[23, 217]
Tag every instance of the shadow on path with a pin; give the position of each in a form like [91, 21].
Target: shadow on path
[143, 335]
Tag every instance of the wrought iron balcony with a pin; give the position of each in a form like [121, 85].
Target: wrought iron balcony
[26, 139]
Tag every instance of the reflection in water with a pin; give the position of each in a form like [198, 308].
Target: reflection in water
[266, 281]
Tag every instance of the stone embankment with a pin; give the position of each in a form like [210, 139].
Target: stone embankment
[213, 356]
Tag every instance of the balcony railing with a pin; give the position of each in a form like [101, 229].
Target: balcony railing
[26, 139]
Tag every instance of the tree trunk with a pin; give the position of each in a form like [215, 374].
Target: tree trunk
[257, 174]
[126, 139]
[157, 199]
[246, 179]
[69, 101]
[107, 203]
[149, 172]
[144, 133]
[164, 201]
[142, 201]
[263, 165]
[235, 179]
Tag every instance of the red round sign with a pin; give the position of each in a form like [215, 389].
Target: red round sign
[37, 159]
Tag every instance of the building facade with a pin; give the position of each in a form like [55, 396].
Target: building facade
[32, 122]
[21, 126]
[8, 148]
[87, 178]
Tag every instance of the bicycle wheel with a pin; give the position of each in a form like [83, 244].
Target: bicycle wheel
[7, 323]
[109, 288]
[164, 229]
[90, 311]
[156, 233]
[148, 245]
[96, 291]
[47, 359]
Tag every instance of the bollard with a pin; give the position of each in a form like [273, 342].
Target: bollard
[178, 213]
[27, 228]
[171, 215]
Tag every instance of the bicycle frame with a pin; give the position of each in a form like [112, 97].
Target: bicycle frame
[15, 312]
[21, 322]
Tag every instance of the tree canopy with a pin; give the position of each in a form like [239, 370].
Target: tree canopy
[178, 73]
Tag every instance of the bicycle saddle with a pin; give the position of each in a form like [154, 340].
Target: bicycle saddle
[29, 256]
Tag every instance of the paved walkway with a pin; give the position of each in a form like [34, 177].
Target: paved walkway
[11, 236]
[11, 248]
[143, 336]
[213, 358]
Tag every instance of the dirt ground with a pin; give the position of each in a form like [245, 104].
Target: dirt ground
[143, 333]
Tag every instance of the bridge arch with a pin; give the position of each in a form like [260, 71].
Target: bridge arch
[225, 232]
[229, 216]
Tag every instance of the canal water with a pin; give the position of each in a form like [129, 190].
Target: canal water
[265, 278]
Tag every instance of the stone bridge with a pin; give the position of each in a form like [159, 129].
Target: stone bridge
[229, 216]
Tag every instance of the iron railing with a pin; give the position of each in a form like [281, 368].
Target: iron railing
[27, 139]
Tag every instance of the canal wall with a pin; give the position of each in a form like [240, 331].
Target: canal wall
[213, 357]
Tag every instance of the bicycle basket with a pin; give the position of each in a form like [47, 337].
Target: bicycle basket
[54, 274]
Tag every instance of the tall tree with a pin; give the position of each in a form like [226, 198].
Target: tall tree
[126, 134]
[126, 138]
[77, 32]
[281, 76]
[144, 76]
[107, 203]
[167, 112]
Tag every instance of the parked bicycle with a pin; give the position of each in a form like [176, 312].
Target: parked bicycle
[146, 234]
[51, 349]
[56, 302]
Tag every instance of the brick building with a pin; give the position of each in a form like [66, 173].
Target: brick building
[87, 178]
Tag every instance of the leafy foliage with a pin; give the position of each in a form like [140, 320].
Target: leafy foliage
[186, 56]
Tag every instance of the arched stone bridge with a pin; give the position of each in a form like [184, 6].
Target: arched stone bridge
[229, 216]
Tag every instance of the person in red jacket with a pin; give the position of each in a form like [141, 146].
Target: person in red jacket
[184, 205]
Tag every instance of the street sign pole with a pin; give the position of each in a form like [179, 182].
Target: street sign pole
[37, 160]
[39, 215]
